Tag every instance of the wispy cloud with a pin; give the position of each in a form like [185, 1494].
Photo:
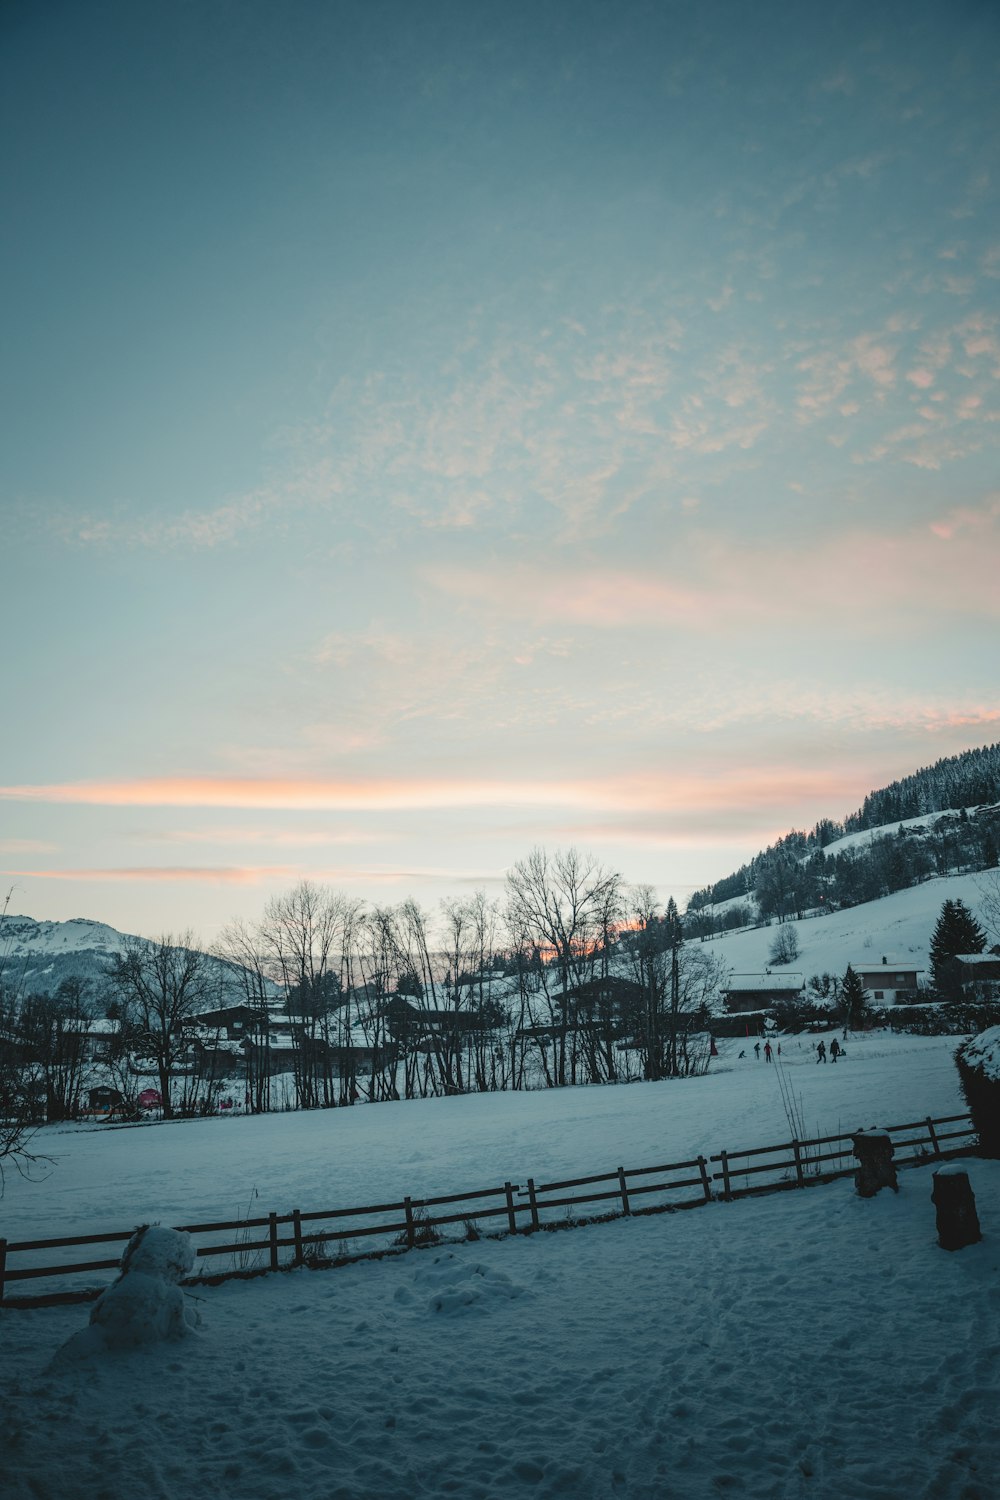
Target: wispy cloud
[292, 838]
[881, 573]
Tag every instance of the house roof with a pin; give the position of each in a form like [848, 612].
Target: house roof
[978, 958]
[873, 965]
[765, 983]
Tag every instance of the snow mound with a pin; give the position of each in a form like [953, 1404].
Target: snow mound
[145, 1305]
[983, 1051]
[458, 1286]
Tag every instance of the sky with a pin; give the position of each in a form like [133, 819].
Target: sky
[436, 431]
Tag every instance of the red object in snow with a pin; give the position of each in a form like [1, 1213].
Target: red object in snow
[149, 1099]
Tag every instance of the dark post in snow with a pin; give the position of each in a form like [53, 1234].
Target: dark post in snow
[873, 1149]
[955, 1202]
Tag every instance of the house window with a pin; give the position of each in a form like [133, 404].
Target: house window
[899, 978]
[880, 994]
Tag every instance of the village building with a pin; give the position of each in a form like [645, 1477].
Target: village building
[891, 979]
[977, 975]
[748, 992]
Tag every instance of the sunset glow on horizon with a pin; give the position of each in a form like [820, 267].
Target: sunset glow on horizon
[432, 433]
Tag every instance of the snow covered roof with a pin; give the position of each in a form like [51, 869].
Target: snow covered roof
[978, 958]
[765, 982]
[870, 965]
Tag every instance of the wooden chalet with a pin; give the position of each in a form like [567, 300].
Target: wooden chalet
[747, 992]
[977, 975]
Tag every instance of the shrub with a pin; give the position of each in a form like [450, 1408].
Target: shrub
[422, 1233]
[784, 946]
[978, 1063]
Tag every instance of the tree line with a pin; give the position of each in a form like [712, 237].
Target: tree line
[572, 976]
[792, 876]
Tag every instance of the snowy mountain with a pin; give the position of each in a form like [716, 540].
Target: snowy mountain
[36, 957]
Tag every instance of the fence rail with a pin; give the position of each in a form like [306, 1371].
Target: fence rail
[539, 1205]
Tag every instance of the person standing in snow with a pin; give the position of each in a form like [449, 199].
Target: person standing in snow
[834, 1050]
[821, 1052]
[767, 1051]
[756, 1048]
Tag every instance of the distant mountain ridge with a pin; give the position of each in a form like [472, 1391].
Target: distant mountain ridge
[37, 956]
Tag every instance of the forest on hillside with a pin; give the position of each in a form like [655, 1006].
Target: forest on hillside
[797, 874]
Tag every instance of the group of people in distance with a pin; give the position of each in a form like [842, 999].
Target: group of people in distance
[836, 1050]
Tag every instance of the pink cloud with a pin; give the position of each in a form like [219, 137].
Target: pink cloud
[214, 875]
[761, 787]
[921, 378]
[241, 874]
[286, 794]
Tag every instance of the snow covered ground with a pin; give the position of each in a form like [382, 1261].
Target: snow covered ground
[189, 1171]
[804, 1344]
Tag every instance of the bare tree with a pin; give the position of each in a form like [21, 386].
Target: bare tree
[162, 984]
[52, 1028]
[559, 902]
[676, 982]
[302, 940]
[989, 903]
[384, 1020]
[479, 1024]
[242, 949]
[784, 947]
[20, 1083]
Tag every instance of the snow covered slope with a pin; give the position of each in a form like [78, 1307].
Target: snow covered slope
[899, 925]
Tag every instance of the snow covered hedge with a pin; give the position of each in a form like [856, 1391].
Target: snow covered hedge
[978, 1062]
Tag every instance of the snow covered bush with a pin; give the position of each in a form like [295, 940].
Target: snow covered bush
[146, 1303]
[784, 947]
[978, 1062]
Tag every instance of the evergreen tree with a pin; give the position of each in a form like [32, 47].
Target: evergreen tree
[855, 1001]
[957, 931]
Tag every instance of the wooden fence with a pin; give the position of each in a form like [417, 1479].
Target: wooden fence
[537, 1205]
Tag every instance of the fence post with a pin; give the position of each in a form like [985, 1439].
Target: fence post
[511, 1215]
[410, 1231]
[3, 1265]
[935, 1144]
[726, 1188]
[623, 1190]
[297, 1231]
[706, 1181]
[272, 1223]
[798, 1164]
[533, 1204]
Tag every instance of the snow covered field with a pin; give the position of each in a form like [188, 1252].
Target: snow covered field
[804, 1344]
[106, 1177]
